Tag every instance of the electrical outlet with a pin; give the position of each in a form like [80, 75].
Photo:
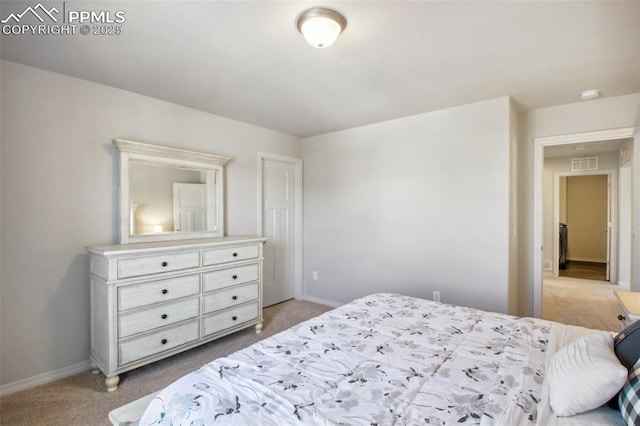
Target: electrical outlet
[315, 275]
[436, 296]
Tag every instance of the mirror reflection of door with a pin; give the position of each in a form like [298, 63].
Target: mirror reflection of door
[189, 207]
[153, 199]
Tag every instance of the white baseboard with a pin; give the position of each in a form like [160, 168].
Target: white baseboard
[321, 301]
[43, 378]
[624, 284]
[586, 259]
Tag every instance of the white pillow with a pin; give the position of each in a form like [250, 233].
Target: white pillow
[584, 374]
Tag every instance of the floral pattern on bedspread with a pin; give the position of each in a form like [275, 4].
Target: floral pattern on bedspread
[381, 360]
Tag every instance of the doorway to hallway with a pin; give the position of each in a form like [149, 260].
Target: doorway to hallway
[543, 247]
[586, 218]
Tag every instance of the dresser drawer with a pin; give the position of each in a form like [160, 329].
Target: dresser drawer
[138, 266]
[230, 254]
[230, 297]
[155, 343]
[230, 318]
[137, 295]
[158, 316]
[225, 277]
[624, 318]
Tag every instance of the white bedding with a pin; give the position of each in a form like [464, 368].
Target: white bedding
[381, 360]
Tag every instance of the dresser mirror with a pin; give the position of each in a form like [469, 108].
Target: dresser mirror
[169, 193]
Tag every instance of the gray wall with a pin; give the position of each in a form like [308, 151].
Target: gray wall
[412, 205]
[59, 194]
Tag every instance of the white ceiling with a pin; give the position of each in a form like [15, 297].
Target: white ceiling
[245, 59]
[576, 150]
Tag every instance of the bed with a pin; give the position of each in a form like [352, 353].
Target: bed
[383, 359]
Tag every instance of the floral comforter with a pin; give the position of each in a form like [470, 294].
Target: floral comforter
[384, 359]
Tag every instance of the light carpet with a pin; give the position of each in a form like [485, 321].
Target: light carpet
[586, 303]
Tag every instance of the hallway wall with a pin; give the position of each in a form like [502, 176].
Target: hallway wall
[586, 215]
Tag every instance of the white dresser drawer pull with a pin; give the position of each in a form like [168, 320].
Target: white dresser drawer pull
[165, 264]
[233, 318]
[234, 297]
[164, 316]
[165, 291]
[164, 341]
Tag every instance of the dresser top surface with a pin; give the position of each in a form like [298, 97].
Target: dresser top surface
[197, 244]
[630, 300]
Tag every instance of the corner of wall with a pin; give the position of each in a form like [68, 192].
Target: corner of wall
[1, 145]
[513, 287]
[635, 223]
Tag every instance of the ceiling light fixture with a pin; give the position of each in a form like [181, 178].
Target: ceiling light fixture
[589, 94]
[321, 26]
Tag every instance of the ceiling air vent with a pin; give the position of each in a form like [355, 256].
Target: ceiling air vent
[578, 164]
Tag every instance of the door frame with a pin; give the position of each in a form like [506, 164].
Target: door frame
[612, 218]
[539, 144]
[297, 255]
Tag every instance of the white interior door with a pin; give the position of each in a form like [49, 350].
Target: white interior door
[278, 204]
[624, 227]
[189, 207]
[608, 227]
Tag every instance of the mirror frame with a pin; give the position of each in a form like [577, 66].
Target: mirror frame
[170, 157]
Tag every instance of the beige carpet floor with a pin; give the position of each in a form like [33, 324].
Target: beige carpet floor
[82, 399]
[586, 303]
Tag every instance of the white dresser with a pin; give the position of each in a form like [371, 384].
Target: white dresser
[629, 307]
[153, 300]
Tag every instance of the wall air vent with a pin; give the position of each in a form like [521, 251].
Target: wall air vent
[578, 164]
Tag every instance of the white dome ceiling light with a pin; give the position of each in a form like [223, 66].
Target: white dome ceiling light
[590, 94]
[321, 26]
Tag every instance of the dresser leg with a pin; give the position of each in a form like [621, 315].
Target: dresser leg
[94, 367]
[112, 383]
[259, 327]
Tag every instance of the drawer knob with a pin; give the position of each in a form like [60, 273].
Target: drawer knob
[165, 291]
[233, 318]
[234, 297]
[235, 254]
[164, 341]
[163, 316]
[165, 263]
[622, 317]
[235, 277]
